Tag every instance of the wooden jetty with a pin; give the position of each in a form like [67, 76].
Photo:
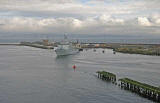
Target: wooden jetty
[145, 90]
[106, 76]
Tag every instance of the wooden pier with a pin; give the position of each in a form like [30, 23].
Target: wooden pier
[142, 89]
[107, 76]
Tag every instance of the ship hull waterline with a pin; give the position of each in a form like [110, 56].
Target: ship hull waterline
[64, 52]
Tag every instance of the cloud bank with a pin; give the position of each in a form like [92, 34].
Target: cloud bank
[80, 17]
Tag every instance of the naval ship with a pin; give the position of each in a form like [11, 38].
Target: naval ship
[66, 48]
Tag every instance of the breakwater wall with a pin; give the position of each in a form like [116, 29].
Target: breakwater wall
[11, 44]
[36, 45]
[27, 44]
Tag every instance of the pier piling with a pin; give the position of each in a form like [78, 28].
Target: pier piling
[142, 89]
[107, 76]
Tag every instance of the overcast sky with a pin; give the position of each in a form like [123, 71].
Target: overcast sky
[128, 17]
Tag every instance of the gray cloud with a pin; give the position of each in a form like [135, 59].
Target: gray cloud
[72, 16]
[99, 25]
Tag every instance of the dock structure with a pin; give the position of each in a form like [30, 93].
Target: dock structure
[142, 89]
[107, 76]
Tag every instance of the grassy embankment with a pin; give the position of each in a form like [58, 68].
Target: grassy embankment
[138, 50]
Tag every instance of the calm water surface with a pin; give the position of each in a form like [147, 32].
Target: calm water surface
[32, 75]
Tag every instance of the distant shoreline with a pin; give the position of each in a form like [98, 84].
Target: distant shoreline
[94, 43]
[13, 44]
[144, 49]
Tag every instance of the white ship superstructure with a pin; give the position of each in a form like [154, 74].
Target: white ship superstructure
[66, 48]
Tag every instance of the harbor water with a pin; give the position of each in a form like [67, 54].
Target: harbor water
[33, 75]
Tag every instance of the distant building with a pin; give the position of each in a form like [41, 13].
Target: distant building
[47, 43]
